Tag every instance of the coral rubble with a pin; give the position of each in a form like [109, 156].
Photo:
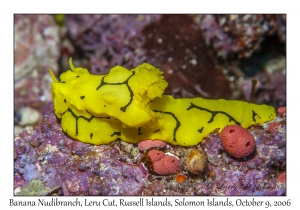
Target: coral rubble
[36, 48]
[69, 167]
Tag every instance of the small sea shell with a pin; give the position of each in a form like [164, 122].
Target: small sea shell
[196, 161]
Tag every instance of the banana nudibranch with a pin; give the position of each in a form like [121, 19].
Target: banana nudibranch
[130, 105]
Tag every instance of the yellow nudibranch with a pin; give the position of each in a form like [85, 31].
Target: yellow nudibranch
[130, 105]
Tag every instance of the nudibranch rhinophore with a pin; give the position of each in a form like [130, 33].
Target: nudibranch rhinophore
[130, 105]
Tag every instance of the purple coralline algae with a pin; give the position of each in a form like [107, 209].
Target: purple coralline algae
[69, 167]
[48, 155]
[109, 40]
[240, 34]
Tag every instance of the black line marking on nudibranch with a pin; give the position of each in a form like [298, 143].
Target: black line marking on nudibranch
[200, 130]
[82, 97]
[118, 133]
[139, 131]
[213, 113]
[254, 114]
[62, 82]
[91, 135]
[106, 117]
[83, 117]
[177, 122]
[156, 131]
[65, 101]
[77, 76]
[123, 109]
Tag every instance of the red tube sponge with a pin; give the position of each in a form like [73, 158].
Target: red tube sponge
[237, 141]
[273, 126]
[167, 165]
[155, 155]
[163, 164]
[148, 144]
[281, 111]
[282, 177]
